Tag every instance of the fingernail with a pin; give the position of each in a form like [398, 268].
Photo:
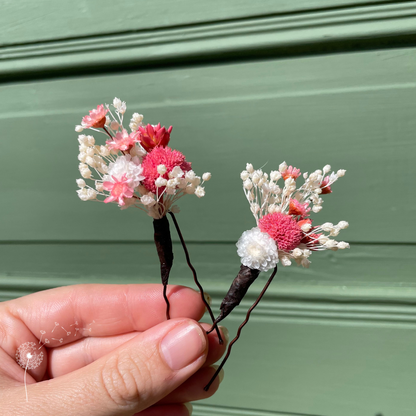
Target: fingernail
[189, 407]
[225, 333]
[183, 345]
[208, 298]
[220, 374]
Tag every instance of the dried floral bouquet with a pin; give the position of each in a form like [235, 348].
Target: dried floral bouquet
[138, 170]
[284, 230]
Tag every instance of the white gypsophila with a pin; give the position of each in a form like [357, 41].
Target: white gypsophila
[126, 165]
[199, 191]
[136, 121]
[119, 105]
[257, 250]
[86, 194]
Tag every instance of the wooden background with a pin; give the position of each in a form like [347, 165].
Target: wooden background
[308, 82]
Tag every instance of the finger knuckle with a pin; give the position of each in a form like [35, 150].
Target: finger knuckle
[126, 380]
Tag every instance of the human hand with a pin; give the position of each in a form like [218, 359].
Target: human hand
[110, 352]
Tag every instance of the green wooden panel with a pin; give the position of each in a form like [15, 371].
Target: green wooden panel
[354, 111]
[26, 21]
[336, 339]
[376, 273]
[336, 29]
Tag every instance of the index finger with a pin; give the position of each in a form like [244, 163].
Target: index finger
[66, 314]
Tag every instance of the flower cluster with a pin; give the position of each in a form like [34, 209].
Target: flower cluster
[282, 214]
[135, 169]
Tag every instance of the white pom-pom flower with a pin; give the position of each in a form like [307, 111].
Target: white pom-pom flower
[257, 250]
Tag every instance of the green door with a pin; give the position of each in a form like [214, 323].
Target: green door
[310, 83]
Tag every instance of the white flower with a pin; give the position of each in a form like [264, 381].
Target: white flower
[161, 169]
[206, 176]
[81, 183]
[343, 225]
[282, 167]
[306, 227]
[86, 194]
[244, 175]
[126, 165]
[199, 191]
[176, 172]
[190, 189]
[85, 173]
[159, 182]
[148, 200]
[257, 250]
[248, 184]
[119, 105]
[342, 245]
[79, 129]
[285, 261]
[136, 121]
[172, 183]
[99, 186]
[275, 175]
[190, 175]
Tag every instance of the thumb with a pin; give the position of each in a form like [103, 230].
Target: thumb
[131, 378]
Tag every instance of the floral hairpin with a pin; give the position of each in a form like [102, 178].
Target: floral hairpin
[139, 170]
[284, 231]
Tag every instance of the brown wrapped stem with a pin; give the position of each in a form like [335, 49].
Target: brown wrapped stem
[240, 328]
[164, 249]
[236, 292]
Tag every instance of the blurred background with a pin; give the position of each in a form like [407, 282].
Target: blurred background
[308, 82]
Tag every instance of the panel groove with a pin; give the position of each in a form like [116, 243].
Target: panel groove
[250, 37]
[201, 409]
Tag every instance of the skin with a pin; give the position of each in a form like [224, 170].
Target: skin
[115, 366]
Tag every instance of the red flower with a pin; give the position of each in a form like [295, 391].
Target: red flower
[311, 240]
[96, 118]
[326, 189]
[152, 136]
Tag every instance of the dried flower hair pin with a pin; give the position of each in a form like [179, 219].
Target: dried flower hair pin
[139, 170]
[284, 230]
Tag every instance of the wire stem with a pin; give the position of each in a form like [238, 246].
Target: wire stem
[240, 328]
[188, 260]
[108, 133]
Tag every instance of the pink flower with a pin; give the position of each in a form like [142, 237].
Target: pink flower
[152, 136]
[326, 189]
[162, 156]
[96, 118]
[291, 172]
[119, 189]
[122, 141]
[283, 229]
[296, 208]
